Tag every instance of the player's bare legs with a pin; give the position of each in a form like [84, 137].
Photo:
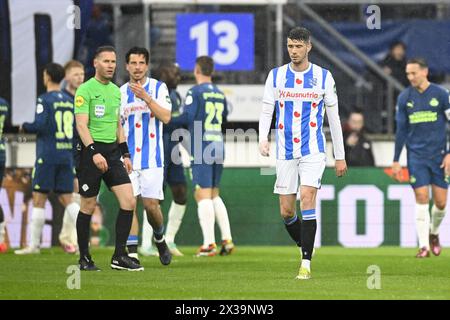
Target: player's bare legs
[437, 215]
[221, 215]
[287, 205]
[291, 221]
[423, 220]
[37, 224]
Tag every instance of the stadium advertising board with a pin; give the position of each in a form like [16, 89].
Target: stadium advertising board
[365, 209]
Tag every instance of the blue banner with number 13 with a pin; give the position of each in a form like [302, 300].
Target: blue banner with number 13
[227, 38]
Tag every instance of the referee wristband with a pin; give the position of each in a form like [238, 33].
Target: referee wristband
[92, 150]
[124, 150]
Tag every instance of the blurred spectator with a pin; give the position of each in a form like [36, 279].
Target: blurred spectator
[358, 149]
[99, 33]
[395, 62]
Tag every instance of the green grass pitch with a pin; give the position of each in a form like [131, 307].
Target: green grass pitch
[250, 273]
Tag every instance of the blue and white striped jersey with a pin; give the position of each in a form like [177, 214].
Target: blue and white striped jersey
[300, 99]
[143, 131]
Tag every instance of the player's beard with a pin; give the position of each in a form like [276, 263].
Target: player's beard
[139, 79]
[299, 61]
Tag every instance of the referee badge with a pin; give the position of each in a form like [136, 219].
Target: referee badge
[99, 111]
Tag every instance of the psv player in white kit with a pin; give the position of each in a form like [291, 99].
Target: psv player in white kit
[300, 92]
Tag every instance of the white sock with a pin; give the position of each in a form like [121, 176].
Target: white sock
[72, 211]
[2, 231]
[68, 234]
[176, 213]
[423, 225]
[437, 216]
[306, 264]
[222, 218]
[37, 224]
[206, 219]
[147, 232]
[67, 225]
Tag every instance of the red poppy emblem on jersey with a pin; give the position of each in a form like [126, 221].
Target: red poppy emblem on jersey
[298, 81]
[152, 135]
[138, 125]
[296, 140]
[296, 114]
[152, 115]
[138, 149]
[314, 104]
[280, 126]
[312, 124]
[281, 104]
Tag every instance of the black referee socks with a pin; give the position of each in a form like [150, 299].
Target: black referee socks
[83, 231]
[123, 227]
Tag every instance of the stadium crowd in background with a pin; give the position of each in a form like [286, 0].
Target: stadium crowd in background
[358, 148]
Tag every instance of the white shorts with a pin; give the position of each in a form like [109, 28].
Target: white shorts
[148, 183]
[309, 169]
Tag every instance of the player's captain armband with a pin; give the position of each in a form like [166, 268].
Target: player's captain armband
[447, 113]
[79, 101]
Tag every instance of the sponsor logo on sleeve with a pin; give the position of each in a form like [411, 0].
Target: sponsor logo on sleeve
[39, 108]
[79, 101]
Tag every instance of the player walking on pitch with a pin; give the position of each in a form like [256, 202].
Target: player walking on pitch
[423, 111]
[300, 92]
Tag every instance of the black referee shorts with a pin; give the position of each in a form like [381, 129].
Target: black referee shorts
[90, 177]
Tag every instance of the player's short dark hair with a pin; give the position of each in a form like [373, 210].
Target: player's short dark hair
[420, 61]
[206, 64]
[55, 71]
[104, 49]
[138, 51]
[300, 34]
